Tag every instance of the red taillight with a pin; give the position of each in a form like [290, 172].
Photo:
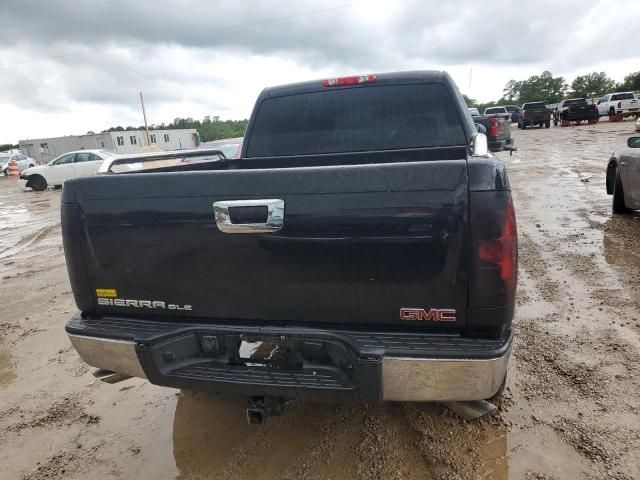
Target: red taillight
[503, 251]
[493, 127]
[353, 80]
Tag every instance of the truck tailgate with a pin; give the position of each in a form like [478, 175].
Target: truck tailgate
[358, 244]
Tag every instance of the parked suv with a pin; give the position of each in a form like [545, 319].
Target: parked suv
[514, 110]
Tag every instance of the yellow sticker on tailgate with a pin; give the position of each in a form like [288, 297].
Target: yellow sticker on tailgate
[106, 292]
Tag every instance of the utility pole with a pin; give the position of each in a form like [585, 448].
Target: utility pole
[144, 114]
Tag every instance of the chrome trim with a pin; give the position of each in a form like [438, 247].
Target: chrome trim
[140, 157]
[420, 380]
[274, 222]
[479, 145]
[106, 354]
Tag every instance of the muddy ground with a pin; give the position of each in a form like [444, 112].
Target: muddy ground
[571, 409]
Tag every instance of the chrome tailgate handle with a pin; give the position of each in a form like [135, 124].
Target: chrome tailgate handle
[274, 222]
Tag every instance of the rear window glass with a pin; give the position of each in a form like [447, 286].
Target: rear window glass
[355, 120]
[495, 110]
[534, 106]
[577, 101]
[623, 96]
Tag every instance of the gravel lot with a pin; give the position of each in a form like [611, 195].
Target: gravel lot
[571, 409]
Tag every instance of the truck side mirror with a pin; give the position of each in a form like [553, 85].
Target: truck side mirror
[479, 145]
[633, 142]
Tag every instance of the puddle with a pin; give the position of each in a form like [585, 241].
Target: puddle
[6, 372]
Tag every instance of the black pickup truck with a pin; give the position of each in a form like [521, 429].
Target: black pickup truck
[534, 113]
[362, 248]
[575, 110]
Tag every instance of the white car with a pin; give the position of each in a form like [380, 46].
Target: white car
[638, 125]
[23, 161]
[70, 165]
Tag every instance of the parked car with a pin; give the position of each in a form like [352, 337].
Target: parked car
[534, 113]
[474, 111]
[22, 161]
[623, 177]
[231, 147]
[492, 110]
[575, 110]
[65, 167]
[307, 278]
[514, 110]
[618, 103]
[638, 125]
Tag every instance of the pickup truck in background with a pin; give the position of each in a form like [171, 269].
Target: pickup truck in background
[618, 103]
[575, 110]
[497, 128]
[534, 113]
[363, 248]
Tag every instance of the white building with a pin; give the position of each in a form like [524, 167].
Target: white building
[45, 149]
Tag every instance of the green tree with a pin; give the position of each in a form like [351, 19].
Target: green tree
[631, 83]
[592, 85]
[471, 102]
[537, 88]
[511, 90]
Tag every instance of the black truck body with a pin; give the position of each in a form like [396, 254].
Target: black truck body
[575, 110]
[363, 248]
[534, 113]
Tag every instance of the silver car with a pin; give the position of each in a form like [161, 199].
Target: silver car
[623, 177]
[22, 161]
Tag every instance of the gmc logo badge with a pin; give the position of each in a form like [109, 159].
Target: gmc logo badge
[433, 315]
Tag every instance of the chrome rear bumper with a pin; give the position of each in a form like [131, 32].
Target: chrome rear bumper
[406, 379]
[107, 354]
[416, 380]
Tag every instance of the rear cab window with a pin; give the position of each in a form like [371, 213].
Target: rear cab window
[359, 119]
[534, 106]
[623, 96]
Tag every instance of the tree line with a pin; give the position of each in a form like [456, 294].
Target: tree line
[209, 128]
[549, 89]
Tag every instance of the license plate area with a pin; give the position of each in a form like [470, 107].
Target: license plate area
[292, 366]
[276, 351]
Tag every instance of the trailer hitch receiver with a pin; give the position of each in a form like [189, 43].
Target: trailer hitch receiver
[261, 408]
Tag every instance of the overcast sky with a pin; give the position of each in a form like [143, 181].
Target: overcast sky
[69, 66]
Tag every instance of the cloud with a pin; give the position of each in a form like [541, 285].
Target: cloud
[213, 57]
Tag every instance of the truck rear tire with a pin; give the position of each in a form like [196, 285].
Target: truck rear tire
[547, 124]
[618, 205]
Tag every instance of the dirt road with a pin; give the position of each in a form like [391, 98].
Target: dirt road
[571, 409]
